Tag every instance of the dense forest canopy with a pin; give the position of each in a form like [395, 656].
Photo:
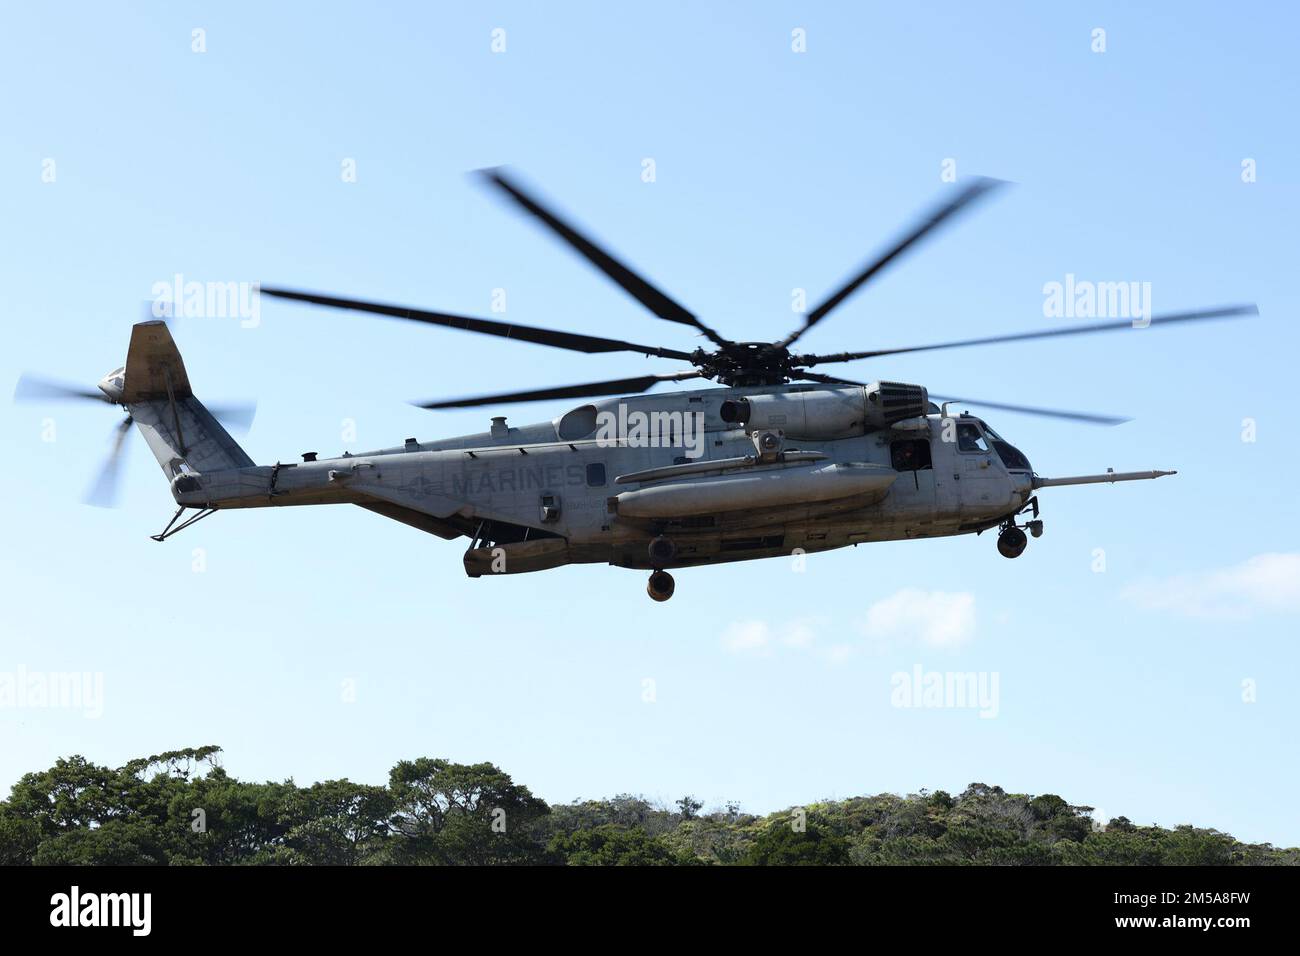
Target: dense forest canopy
[182, 808]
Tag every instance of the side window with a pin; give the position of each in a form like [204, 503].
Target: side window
[913, 454]
[596, 474]
[970, 439]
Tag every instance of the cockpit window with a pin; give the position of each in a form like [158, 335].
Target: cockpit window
[1011, 456]
[970, 439]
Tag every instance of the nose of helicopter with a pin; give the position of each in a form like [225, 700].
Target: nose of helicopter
[112, 385]
[1019, 470]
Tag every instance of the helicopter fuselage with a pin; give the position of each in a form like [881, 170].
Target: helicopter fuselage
[609, 478]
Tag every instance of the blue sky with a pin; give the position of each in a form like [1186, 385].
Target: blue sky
[775, 170]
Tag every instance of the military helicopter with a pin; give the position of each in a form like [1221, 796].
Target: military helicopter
[779, 459]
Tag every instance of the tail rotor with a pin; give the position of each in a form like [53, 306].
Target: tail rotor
[103, 493]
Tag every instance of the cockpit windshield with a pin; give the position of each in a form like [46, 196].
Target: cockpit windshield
[1011, 455]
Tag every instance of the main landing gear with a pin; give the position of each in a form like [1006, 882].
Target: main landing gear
[1012, 541]
[660, 586]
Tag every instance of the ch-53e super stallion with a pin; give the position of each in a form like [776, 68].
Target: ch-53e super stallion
[778, 459]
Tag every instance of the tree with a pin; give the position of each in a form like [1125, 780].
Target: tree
[612, 845]
[19, 838]
[781, 845]
[688, 807]
[116, 843]
[242, 822]
[450, 813]
[181, 807]
[341, 823]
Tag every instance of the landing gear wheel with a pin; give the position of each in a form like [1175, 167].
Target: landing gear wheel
[660, 586]
[1012, 542]
[1035, 528]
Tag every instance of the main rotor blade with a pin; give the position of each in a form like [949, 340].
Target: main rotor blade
[31, 388]
[573, 341]
[653, 298]
[931, 221]
[1228, 312]
[1087, 417]
[616, 386]
[103, 494]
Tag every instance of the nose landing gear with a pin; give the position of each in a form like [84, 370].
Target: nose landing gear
[1012, 541]
[660, 586]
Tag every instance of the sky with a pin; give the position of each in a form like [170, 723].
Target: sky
[1139, 658]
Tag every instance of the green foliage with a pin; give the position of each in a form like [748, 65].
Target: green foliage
[449, 813]
[115, 843]
[613, 845]
[688, 807]
[338, 823]
[781, 844]
[182, 808]
[19, 838]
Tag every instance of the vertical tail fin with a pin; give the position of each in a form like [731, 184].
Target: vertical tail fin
[181, 433]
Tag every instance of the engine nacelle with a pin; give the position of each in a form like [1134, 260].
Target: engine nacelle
[889, 402]
[827, 414]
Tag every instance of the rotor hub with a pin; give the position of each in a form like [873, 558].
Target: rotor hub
[746, 363]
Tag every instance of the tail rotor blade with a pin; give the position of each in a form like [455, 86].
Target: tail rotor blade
[32, 388]
[236, 415]
[103, 493]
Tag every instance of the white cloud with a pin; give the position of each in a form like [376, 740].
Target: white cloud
[838, 653]
[1264, 583]
[937, 618]
[798, 634]
[761, 637]
[747, 637]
